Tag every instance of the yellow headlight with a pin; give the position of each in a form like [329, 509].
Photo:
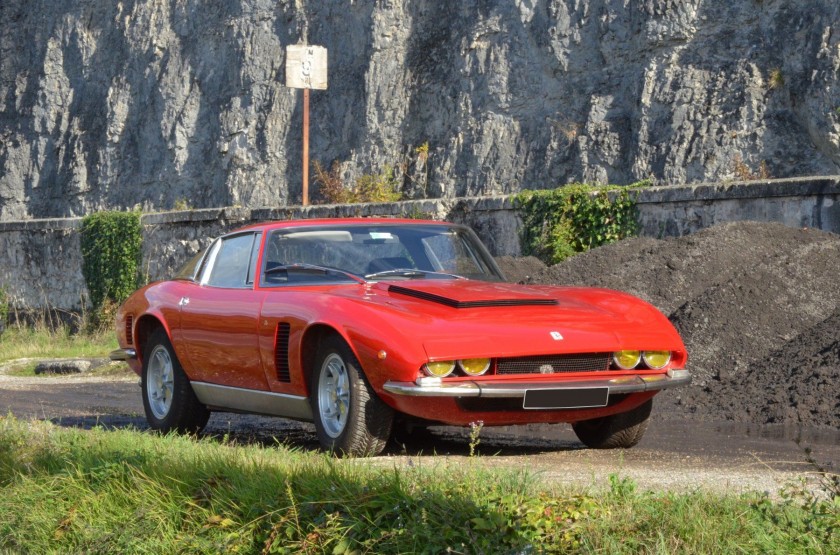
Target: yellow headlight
[656, 359]
[627, 360]
[474, 366]
[439, 369]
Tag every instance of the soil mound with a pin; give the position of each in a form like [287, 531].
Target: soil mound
[518, 269]
[758, 306]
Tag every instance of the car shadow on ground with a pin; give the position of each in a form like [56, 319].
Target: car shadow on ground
[241, 429]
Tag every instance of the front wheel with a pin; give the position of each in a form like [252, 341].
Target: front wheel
[623, 430]
[168, 398]
[350, 419]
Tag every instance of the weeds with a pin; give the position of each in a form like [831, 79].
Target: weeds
[42, 335]
[569, 130]
[422, 153]
[422, 160]
[475, 433]
[777, 79]
[386, 186]
[744, 173]
[381, 187]
[181, 204]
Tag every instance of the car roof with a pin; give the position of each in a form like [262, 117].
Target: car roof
[321, 222]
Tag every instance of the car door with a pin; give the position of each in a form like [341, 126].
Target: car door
[220, 314]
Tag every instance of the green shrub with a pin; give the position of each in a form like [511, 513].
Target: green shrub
[559, 223]
[111, 244]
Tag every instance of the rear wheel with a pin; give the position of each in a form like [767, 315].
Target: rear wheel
[621, 430]
[349, 417]
[168, 398]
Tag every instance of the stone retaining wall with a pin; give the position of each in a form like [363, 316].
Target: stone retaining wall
[40, 260]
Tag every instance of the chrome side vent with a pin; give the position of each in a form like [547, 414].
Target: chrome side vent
[129, 330]
[281, 352]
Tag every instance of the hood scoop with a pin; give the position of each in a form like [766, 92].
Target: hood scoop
[472, 303]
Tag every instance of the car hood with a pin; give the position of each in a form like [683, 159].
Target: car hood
[465, 318]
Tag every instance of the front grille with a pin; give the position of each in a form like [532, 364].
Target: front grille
[553, 364]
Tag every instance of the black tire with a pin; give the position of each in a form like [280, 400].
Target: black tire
[169, 401]
[350, 419]
[623, 430]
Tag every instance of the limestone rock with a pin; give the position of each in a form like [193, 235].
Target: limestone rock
[168, 103]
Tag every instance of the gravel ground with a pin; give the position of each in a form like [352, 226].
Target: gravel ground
[757, 304]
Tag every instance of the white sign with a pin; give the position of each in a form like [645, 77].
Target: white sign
[306, 67]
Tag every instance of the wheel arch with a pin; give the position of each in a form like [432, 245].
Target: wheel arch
[145, 326]
[313, 336]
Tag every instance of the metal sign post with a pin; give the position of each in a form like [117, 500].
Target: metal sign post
[306, 68]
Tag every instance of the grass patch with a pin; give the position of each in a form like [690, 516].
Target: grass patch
[68, 490]
[22, 369]
[42, 342]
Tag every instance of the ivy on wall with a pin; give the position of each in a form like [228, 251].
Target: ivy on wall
[559, 223]
[4, 308]
[111, 253]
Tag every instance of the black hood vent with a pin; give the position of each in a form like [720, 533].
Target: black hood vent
[431, 297]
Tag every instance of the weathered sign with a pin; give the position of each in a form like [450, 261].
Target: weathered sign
[306, 67]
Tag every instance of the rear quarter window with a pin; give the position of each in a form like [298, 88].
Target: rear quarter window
[231, 268]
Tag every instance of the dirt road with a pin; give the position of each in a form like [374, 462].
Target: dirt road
[675, 454]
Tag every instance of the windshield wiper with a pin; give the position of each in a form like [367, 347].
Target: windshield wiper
[409, 273]
[312, 268]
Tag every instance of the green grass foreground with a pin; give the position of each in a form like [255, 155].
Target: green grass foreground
[44, 343]
[71, 491]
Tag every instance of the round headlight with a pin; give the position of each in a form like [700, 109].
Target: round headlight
[656, 359]
[474, 366]
[627, 360]
[439, 369]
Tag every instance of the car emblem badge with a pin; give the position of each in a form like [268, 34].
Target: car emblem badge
[557, 336]
[546, 369]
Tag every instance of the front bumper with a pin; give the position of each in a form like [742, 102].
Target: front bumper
[623, 384]
[123, 355]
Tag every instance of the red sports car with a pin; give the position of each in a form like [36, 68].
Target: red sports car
[355, 324]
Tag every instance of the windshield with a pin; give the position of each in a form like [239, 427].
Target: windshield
[374, 252]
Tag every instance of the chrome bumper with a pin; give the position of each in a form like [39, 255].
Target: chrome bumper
[624, 384]
[123, 355]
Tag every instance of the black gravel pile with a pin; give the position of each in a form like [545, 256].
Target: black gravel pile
[757, 304]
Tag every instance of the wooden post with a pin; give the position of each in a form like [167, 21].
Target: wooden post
[305, 147]
[306, 68]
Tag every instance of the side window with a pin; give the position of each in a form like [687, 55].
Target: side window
[255, 253]
[232, 262]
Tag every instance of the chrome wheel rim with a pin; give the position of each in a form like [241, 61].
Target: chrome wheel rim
[160, 382]
[333, 395]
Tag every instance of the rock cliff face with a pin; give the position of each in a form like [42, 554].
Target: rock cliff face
[164, 102]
